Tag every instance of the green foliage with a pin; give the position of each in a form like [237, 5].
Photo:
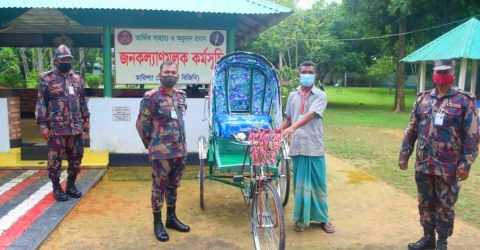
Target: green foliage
[381, 69]
[313, 35]
[287, 3]
[289, 80]
[10, 72]
[317, 34]
[33, 79]
[401, 7]
[99, 60]
[288, 74]
[93, 81]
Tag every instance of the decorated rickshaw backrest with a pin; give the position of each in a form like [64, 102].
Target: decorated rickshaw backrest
[244, 83]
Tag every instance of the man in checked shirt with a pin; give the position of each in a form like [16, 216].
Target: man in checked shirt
[444, 124]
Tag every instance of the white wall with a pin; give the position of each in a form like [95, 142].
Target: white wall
[121, 136]
[4, 134]
[195, 126]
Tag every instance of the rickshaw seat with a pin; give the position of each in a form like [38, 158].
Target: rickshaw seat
[226, 125]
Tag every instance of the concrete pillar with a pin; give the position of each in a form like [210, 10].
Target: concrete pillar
[107, 61]
[4, 126]
[463, 74]
[423, 72]
[473, 81]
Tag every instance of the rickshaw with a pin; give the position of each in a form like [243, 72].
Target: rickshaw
[244, 101]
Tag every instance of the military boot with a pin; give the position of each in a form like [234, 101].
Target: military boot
[58, 193]
[442, 241]
[426, 242]
[158, 228]
[72, 190]
[173, 222]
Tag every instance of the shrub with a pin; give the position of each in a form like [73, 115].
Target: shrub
[93, 81]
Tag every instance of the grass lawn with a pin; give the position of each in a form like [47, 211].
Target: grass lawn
[361, 127]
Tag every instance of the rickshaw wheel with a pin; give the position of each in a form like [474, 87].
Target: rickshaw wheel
[202, 183]
[267, 219]
[283, 182]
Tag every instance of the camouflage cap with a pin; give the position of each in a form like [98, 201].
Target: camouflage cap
[443, 65]
[62, 51]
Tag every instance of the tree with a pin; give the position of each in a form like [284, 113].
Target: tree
[382, 68]
[40, 60]
[26, 67]
[376, 17]
[401, 9]
[312, 35]
[10, 73]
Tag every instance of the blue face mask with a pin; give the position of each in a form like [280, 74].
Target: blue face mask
[307, 80]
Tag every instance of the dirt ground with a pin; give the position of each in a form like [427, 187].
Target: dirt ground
[368, 214]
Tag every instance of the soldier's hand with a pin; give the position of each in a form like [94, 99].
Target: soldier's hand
[403, 165]
[44, 132]
[462, 174]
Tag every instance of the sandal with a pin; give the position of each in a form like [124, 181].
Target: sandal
[328, 227]
[299, 227]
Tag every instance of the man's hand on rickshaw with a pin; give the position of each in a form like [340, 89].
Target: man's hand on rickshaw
[287, 133]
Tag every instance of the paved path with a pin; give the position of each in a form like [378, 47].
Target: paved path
[368, 214]
[28, 211]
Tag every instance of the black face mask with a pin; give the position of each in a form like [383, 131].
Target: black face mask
[64, 67]
[168, 81]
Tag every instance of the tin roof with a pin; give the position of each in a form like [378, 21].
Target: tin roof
[246, 7]
[460, 42]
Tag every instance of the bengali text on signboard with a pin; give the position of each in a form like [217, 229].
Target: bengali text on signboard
[140, 52]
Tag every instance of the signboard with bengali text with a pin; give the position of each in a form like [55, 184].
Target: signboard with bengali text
[140, 52]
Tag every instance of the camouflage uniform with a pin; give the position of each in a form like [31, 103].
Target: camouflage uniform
[446, 131]
[161, 127]
[62, 108]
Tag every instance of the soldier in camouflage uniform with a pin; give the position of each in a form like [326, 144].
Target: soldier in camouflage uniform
[63, 117]
[444, 123]
[161, 127]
